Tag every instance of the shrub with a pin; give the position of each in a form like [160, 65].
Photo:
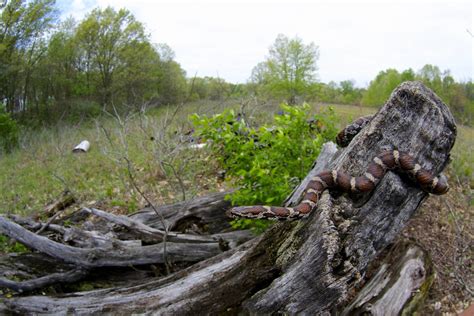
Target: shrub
[266, 162]
[9, 132]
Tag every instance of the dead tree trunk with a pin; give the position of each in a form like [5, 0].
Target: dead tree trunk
[307, 267]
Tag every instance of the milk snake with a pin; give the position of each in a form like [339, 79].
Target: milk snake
[336, 180]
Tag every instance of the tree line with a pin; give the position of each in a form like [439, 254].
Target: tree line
[104, 60]
[290, 72]
[107, 60]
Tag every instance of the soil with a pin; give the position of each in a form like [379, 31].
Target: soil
[444, 226]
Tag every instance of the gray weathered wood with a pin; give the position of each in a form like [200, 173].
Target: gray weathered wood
[400, 284]
[117, 256]
[34, 284]
[206, 211]
[147, 233]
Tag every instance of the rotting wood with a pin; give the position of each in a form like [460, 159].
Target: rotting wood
[66, 200]
[208, 211]
[399, 286]
[146, 232]
[308, 267]
[117, 256]
[38, 283]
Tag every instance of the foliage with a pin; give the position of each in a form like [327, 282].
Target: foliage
[9, 132]
[266, 162]
[458, 96]
[381, 87]
[106, 59]
[23, 28]
[210, 88]
[288, 70]
[343, 93]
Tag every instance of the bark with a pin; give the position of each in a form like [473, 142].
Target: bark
[307, 267]
[399, 286]
[207, 212]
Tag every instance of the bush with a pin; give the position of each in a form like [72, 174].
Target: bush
[265, 163]
[9, 132]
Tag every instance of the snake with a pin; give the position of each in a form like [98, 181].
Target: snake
[387, 160]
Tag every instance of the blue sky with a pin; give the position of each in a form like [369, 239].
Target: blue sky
[356, 39]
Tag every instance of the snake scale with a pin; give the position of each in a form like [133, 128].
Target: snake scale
[394, 160]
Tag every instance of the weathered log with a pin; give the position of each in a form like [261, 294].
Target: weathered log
[113, 257]
[308, 267]
[207, 211]
[36, 271]
[399, 286]
[77, 237]
[34, 284]
[147, 233]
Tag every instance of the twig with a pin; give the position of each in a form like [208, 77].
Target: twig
[46, 225]
[181, 183]
[160, 216]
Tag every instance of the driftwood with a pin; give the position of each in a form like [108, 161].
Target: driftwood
[96, 245]
[205, 211]
[116, 257]
[399, 285]
[53, 278]
[311, 266]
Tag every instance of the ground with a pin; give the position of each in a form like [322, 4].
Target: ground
[443, 227]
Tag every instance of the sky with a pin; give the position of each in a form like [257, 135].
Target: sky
[356, 40]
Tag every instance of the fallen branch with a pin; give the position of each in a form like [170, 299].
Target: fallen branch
[38, 283]
[113, 257]
[207, 211]
[147, 233]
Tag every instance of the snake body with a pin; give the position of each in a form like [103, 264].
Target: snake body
[394, 160]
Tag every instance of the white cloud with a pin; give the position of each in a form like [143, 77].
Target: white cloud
[356, 40]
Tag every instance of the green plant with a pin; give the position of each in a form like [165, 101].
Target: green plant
[265, 163]
[8, 132]
[7, 245]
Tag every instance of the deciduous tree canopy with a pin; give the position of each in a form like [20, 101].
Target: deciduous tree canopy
[289, 68]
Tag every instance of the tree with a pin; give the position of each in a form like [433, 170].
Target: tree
[380, 88]
[23, 28]
[59, 71]
[289, 69]
[104, 35]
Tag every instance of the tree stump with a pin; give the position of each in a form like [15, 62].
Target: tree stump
[310, 266]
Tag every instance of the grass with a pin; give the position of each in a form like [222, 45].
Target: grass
[161, 165]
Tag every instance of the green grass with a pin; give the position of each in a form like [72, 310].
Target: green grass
[44, 166]
[36, 174]
[462, 165]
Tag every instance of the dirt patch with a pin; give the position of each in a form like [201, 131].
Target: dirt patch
[444, 226]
